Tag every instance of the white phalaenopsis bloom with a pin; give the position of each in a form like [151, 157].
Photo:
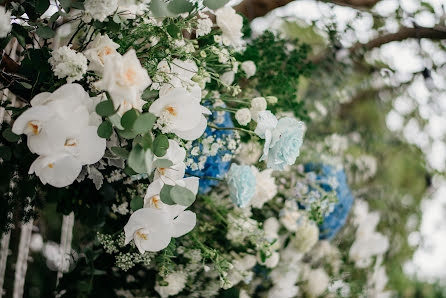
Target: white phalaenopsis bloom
[125, 79]
[101, 47]
[266, 187]
[152, 198]
[249, 68]
[99, 9]
[231, 25]
[67, 63]
[152, 229]
[180, 113]
[5, 22]
[175, 172]
[61, 127]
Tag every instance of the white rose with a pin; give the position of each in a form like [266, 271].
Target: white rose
[230, 24]
[243, 116]
[258, 104]
[125, 79]
[101, 47]
[249, 68]
[228, 77]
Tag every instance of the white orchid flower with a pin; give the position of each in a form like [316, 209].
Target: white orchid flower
[181, 114]
[59, 128]
[152, 230]
[175, 172]
[125, 79]
[152, 198]
[101, 47]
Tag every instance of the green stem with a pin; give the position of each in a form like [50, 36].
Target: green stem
[233, 128]
[206, 177]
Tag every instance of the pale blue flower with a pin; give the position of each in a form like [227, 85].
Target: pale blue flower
[242, 184]
[287, 138]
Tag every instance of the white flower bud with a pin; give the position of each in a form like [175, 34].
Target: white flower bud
[258, 104]
[228, 77]
[249, 68]
[271, 99]
[243, 116]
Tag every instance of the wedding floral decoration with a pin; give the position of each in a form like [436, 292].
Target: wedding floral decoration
[157, 124]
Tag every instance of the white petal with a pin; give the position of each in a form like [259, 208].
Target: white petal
[91, 146]
[184, 223]
[193, 133]
[58, 171]
[38, 113]
[192, 184]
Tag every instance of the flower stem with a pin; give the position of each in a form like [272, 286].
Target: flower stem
[233, 128]
[205, 177]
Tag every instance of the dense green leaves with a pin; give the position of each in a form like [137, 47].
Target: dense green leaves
[105, 130]
[160, 145]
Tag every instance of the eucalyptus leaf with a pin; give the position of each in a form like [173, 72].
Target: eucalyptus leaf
[127, 134]
[146, 141]
[121, 152]
[215, 4]
[144, 123]
[105, 130]
[137, 159]
[160, 145]
[115, 119]
[173, 30]
[42, 6]
[136, 203]
[182, 196]
[129, 118]
[165, 195]
[105, 108]
[45, 32]
[180, 6]
[162, 163]
[10, 136]
[159, 9]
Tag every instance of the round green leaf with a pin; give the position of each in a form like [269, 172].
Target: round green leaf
[10, 136]
[137, 159]
[129, 118]
[146, 141]
[182, 196]
[159, 9]
[215, 4]
[173, 30]
[144, 123]
[105, 130]
[105, 108]
[136, 203]
[165, 195]
[162, 163]
[127, 134]
[160, 145]
[121, 152]
[180, 6]
[45, 32]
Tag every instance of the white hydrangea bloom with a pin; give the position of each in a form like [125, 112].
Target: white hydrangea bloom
[317, 283]
[243, 116]
[67, 63]
[5, 22]
[249, 68]
[228, 77]
[100, 9]
[176, 281]
[266, 187]
[204, 26]
[231, 25]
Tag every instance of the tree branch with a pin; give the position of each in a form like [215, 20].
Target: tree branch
[417, 32]
[258, 8]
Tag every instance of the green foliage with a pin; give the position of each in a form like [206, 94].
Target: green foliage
[160, 145]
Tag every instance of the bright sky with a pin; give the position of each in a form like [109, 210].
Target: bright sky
[429, 261]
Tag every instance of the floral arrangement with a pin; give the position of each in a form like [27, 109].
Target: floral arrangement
[152, 122]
